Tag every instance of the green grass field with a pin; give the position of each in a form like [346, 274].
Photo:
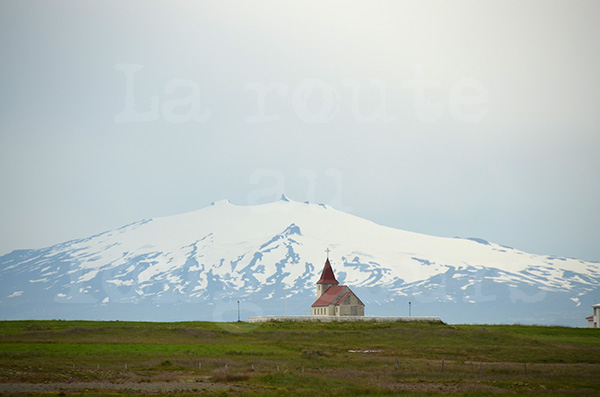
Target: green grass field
[303, 358]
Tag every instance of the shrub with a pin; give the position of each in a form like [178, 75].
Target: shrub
[311, 353]
[224, 375]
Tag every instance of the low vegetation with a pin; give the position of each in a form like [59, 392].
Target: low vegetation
[299, 358]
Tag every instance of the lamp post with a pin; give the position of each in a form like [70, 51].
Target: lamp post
[238, 311]
[409, 303]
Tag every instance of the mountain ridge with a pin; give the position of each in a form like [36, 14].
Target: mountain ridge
[264, 253]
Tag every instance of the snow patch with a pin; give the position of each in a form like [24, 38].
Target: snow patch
[41, 280]
[576, 300]
[121, 283]
[88, 276]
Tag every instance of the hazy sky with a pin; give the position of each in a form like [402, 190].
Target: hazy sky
[463, 118]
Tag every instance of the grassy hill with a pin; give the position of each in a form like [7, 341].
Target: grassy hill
[302, 358]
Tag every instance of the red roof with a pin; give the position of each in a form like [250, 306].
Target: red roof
[327, 276]
[342, 298]
[329, 296]
[589, 318]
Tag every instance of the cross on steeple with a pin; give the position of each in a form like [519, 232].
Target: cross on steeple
[328, 251]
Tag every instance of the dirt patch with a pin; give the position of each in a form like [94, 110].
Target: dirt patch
[141, 387]
[445, 388]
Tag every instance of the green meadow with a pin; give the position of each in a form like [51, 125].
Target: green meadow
[347, 358]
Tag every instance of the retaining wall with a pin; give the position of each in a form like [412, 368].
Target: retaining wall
[264, 319]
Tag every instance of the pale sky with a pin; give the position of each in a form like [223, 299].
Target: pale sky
[463, 118]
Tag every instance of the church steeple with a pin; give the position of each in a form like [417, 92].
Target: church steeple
[327, 278]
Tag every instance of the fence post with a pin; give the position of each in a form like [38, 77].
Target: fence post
[442, 365]
[397, 363]
[525, 366]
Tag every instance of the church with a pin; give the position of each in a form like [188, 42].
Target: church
[334, 299]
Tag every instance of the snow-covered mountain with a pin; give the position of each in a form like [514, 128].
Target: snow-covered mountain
[196, 266]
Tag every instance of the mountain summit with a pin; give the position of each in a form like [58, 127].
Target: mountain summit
[196, 266]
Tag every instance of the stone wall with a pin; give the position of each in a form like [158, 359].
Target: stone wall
[264, 319]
